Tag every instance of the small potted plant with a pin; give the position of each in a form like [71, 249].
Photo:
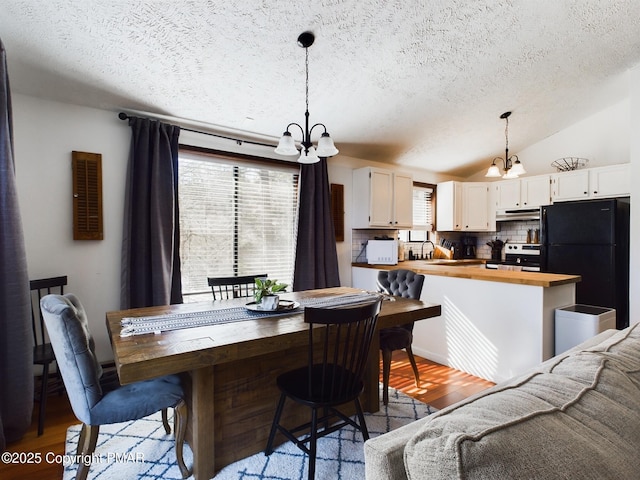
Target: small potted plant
[266, 293]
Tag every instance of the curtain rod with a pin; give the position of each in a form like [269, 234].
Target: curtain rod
[124, 116]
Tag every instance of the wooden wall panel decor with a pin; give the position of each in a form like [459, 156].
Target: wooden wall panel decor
[87, 196]
[337, 210]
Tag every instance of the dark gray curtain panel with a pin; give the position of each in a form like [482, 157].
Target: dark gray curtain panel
[151, 235]
[316, 264]
[16, 344]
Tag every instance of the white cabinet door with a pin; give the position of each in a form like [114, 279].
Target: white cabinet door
[572, 185]
[613, 181]
[507, 194]
[449, 207]
[380, 198]
[535, 191]
[475, 206]
[402, 200]
[464, 206]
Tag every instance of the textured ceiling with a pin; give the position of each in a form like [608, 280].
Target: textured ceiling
[413, 82]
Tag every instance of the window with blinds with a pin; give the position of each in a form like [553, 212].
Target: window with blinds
[236, 218]
[423, 208]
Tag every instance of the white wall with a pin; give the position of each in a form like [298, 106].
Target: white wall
[45, 134]
[634, 142]
[602, 138]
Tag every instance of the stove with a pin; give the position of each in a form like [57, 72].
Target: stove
[518, 256]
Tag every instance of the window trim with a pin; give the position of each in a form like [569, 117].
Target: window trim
[240, 158]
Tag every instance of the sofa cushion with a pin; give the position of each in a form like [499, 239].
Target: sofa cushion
[576, 417]
[384, 454]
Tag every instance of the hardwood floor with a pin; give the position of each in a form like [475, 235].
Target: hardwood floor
[440, 386]
[49, 444]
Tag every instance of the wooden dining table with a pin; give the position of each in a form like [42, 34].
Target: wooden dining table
[229, 369]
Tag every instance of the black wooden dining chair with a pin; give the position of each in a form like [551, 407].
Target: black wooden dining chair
[339, 344]
[403, 283]
[42, 351]
[224, 288]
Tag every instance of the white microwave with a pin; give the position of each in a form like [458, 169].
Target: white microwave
[382, 252]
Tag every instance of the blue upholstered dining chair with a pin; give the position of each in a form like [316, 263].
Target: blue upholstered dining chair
[403, 283]
[74, 347]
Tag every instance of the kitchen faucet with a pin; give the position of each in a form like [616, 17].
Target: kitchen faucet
[422, 249]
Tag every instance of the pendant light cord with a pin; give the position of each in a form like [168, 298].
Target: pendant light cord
[506, 142]
[306, 66]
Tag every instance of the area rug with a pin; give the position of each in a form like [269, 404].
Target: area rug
[142, 450]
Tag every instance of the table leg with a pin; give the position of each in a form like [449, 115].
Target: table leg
[370, 398]
[200, 433]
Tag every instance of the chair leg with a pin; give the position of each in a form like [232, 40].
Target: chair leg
[274, 426]
[181, 414]
[165, 421]
[413, 365]
[313, 441]
[43, 398]
[86, 447]
[325, 413]
[361, 420]
[386, 371]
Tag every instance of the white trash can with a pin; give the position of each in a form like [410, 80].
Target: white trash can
[576, 323]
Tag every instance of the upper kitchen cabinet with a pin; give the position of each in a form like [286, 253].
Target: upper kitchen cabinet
[611, 181]
[573, 185]
[535, 191]
[507, 194]
[476, 215]
[382, 199]
[600, 182]
[528, 192]
[464, 206]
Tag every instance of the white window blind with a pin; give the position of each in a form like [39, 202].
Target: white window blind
[236, 218]
[422, 208]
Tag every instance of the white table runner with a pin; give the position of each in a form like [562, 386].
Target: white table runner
[175, 321]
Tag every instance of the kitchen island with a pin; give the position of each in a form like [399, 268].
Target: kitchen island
[494, 324]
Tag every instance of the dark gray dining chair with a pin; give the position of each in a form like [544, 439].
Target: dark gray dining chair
[74, 347]
[402, 283]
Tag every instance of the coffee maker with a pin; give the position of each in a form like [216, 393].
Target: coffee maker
[469, 246]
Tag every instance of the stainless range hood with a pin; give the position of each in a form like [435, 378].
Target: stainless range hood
[521, 214]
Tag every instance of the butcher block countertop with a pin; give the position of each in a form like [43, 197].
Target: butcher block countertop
[474, 270]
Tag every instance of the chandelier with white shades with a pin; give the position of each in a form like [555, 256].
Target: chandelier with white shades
[308, 153]
[511, 165]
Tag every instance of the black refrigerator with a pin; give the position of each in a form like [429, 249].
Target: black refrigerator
[590, 238]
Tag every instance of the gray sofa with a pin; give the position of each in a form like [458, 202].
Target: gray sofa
[576, 415]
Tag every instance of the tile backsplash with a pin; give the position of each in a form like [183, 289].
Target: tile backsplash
[506, 231]
[515, 231]
[359, 239]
